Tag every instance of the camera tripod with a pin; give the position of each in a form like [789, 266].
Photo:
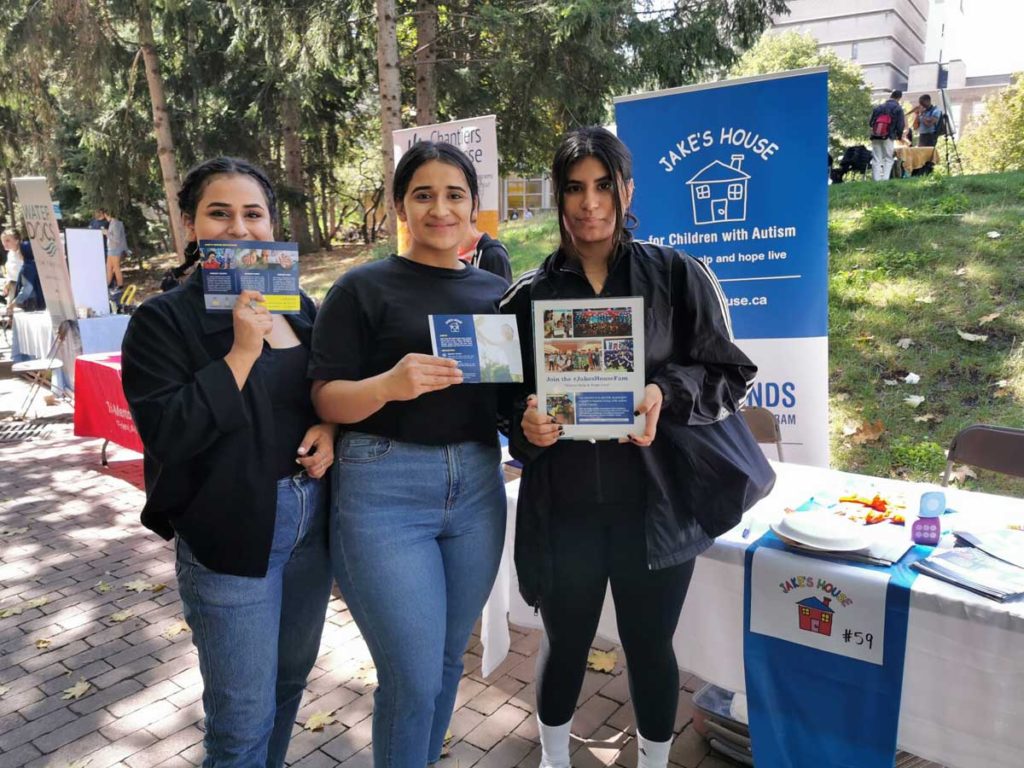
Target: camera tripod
[949, 137]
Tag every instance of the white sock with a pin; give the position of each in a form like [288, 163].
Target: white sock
[652, 754]
[554, 744]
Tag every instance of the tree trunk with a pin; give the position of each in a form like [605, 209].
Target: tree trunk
[390, 97]
[161, 126]
[426, 55]
[298, 221]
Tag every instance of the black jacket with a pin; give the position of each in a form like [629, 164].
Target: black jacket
[689, 354]
[899, 119]
[206, 443]
[491, 256]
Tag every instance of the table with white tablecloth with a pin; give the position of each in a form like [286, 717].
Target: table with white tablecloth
[963, 683]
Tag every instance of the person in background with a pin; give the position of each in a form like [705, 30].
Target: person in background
[618, 521]
[926, 120]
[12, 263]
[484, 252]
[117, 247]
[418, 516]
[887, 124]
[234, 464]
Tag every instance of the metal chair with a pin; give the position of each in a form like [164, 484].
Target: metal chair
[763, 426]
[999, 449]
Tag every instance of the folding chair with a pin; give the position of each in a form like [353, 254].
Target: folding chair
[763, 426]
[999, 449]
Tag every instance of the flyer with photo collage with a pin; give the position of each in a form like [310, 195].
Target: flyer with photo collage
[233, 266]
[590, 365]
[486, 347]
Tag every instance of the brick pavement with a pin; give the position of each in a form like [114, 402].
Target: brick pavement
[144, 707]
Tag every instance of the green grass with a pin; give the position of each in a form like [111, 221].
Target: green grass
[529, 242]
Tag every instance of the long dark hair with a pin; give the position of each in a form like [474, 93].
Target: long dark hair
[197, 179]
[423, 152]
[605, 147]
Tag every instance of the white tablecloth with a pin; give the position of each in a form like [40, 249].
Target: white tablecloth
[33, 334]
[963, 682]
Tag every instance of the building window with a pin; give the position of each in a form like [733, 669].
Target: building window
[805, 611]
[735, 191]
[703, 192]
[854, 51]
[825, 618]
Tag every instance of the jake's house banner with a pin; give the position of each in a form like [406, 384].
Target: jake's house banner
[734, 173]
[478, 138]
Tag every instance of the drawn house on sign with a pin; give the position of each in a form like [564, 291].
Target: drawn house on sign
[815, 615]
[719, 192]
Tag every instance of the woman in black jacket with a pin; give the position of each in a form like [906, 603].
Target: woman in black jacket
[591, 513]
[234, 457]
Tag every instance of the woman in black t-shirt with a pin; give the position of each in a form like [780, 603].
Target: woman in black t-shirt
[418, 516]
[234, 461]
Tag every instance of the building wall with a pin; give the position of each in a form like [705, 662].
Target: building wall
[885, 37]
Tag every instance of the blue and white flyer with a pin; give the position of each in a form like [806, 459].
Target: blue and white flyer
[590, 365]
[486, 347]
[233, 266]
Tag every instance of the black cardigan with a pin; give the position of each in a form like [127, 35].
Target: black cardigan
[206, 443]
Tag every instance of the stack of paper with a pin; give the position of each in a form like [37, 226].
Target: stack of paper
[976, 570]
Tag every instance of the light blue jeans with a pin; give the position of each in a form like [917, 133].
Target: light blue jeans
[416, 538]
[259, 637]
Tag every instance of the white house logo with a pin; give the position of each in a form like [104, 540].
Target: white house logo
[719, 192]
[454, 324]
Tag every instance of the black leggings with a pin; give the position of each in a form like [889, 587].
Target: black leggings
[589, 551]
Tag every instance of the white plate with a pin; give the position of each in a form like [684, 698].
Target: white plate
[824, 532]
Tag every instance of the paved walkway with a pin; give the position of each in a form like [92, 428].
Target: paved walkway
[71, 552]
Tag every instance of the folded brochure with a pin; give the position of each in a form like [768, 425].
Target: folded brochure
[486, 347]
[232, 266]
[976, 570]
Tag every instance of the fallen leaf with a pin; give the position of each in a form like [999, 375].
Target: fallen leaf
[869, 432]
[3, 689]
[849, 428]
[7, 533]
[16, 610]
[144, 586]
[971, 336]
[175, 629]
[960, 272]
[37, 603]
[865, 337]
[925, 418]
[925, 300]
[842, 397]
[989, 318]
[43, 643]
[914, 400]
[904, 343]
[318, 720]
[122, 616]
[890, 382]
[961, 473]
[83, 763]
[1002, 383]
[77, 691]
[993, 235]
[602, 661]
[102, 586]
[911, 378]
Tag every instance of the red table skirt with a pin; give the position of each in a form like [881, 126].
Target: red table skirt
[100, 407]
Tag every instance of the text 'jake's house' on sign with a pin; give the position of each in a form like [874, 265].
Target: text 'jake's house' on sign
[734, 173]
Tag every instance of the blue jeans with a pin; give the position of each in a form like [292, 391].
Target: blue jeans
[259, 637]
[416, 537]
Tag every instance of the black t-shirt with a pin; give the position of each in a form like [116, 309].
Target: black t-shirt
[376, 314]
[284, 373]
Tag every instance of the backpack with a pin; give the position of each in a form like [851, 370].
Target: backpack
[943, 128]
[881, 123]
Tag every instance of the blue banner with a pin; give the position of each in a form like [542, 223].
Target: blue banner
[809, 707]
[735, 173]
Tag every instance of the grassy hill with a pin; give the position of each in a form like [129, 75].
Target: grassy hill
[918, 259]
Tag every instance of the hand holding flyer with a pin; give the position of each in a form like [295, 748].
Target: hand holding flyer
[590, 368]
